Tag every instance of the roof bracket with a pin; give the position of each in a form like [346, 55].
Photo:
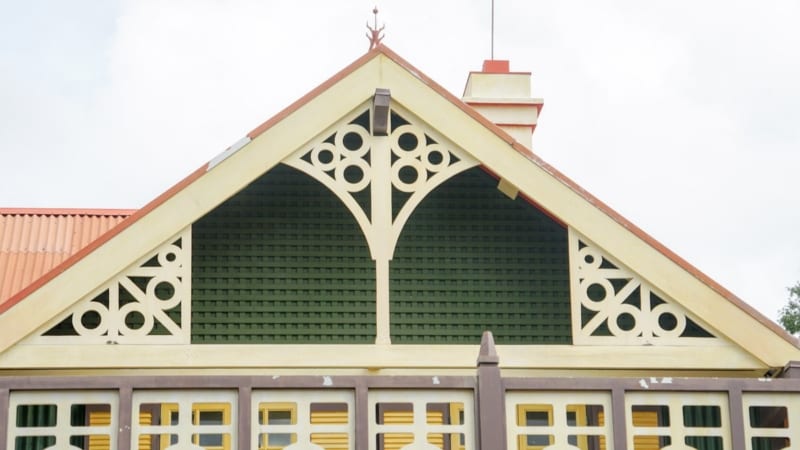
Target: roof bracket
[380, 112]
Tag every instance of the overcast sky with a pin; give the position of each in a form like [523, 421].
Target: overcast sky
[682, 115]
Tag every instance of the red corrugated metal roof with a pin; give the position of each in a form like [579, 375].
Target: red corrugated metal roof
[34, 240]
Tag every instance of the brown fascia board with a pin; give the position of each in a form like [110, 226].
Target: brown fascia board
[382, 49]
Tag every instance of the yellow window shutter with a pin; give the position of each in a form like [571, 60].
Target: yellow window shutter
[645, 419]
[99, 442]
[330, 441]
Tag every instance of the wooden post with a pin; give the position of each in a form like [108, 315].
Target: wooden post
[491, 429]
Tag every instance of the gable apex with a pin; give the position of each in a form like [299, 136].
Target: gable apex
[297, 125]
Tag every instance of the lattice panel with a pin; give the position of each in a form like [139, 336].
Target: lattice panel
[307, 420]
[611, 305]
[147, 303]
[62, 420]
[560, 419]
[677, 420]
[421, 420]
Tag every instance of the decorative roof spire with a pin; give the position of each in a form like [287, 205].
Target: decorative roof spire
[375, 34]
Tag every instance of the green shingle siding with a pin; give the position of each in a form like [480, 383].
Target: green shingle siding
[282, 261]
[471, 259]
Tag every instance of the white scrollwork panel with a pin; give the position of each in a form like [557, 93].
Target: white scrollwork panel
[421, 164]
[149, 302]
[611, 305]
[341, 163]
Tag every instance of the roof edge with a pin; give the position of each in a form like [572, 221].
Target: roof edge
[66, 212]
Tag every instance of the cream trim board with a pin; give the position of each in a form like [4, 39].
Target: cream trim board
[609, 292]
[377, 357]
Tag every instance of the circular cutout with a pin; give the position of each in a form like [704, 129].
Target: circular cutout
[670, 322]
[408, 174]
[624, 321]
[163, 292]
[169, 255]
[352, 140]
[135, 320]
[590, 257]
[436, 158]
[408, 141]
[352, 172]
[324, 156]
[96, 319]
[596, 292]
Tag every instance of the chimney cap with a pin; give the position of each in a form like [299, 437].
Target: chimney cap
[496, 66]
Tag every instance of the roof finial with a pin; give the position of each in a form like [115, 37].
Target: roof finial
[375, 34]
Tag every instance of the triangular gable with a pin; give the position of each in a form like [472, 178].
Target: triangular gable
[292, 130]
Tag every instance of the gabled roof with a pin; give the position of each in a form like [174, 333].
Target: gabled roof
[35, 240]
[499, 153]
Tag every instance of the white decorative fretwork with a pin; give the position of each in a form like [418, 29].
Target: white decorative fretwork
[411, 161]
[687, 420]
[184, 419]
[771, 419]
[611, 305]
[49, 418]
[302, 419]
[558, 419]
[149, 302]
[421, 419]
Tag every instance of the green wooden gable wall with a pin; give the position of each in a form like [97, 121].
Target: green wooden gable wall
[282, 261]
[471, 259]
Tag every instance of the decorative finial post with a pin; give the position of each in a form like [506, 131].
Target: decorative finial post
[375, 34]
[491, 396]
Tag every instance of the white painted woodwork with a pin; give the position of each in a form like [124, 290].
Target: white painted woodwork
[557, 404]
[379, 160]
[185, 429]
[63, 429]
[789, 429]
[174, 269]
[677, 430]
[301, 402]
[590, 272]
[420, 427]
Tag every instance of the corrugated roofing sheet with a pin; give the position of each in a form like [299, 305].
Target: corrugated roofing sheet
[33, 241]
